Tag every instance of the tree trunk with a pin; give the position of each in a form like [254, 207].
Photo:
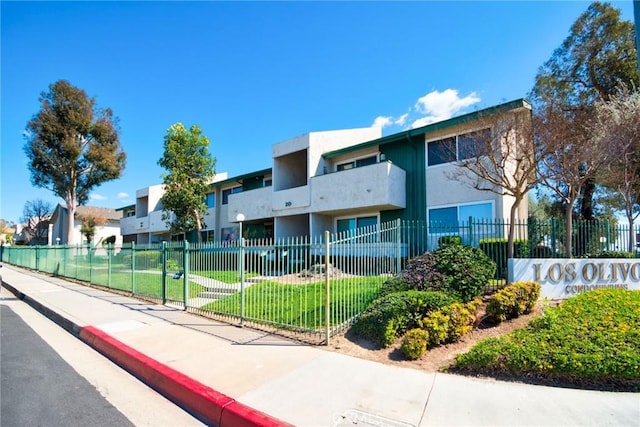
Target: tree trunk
[631, 232]
[512, 228]
[568, 215]
[71, 213]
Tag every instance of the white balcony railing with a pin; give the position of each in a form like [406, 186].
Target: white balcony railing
[379, 186]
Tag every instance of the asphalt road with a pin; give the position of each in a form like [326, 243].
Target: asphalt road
[50, 378]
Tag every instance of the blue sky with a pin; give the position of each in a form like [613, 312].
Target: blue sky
[252, 74]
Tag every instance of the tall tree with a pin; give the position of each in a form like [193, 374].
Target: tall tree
[190, 170]
[501, 158]
[598, 55]
[72, 146]
[570, 158]
[35, 217]
[617, 125]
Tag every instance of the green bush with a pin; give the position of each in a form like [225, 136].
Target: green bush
[591, 340]
[610, 254]
[449, 240]
[496, 250]
[451, 322]
[393, 314]
[467, 270]
[394, 284]
[541, 252]
[414, 343]
[512, 301]
[421, 273]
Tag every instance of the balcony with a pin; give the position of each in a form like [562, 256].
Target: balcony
[133, 225]
[254, 204]
[291, 201]
[381, 186]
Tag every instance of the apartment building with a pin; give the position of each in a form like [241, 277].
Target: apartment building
[344, 179]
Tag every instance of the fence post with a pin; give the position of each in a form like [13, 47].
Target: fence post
[185, 268]
[164, 272]
[37, 258]
[133, 268]
[553, 237]
[241, 267]
[109, 255]
[327, 314]
[398, 245]
[90, 262]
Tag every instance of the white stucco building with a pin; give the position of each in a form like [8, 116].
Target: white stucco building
[343, 179]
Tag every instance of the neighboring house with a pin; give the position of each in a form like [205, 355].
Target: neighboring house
[33, 233]
[58, 225]
[340, 180]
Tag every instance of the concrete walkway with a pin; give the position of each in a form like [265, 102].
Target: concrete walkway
[239, 377]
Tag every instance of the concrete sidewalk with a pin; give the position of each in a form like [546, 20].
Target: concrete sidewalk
[231, 376]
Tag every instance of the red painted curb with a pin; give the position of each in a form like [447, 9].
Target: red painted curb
[211, 406]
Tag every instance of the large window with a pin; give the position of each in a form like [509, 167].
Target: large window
[226, 193]
[348, 224]
[443, 220]
[365, 161]
[442, 151]
[458, 147]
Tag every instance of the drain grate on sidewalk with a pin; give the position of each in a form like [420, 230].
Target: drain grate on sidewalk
[353, 417]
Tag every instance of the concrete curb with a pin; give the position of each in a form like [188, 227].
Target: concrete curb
[206, 404]
[210, 406]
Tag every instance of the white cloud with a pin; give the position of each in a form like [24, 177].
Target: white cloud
[97, 197]
[122, 195]
[400, 121]
[437, 106]
[433, 107]
[382, 121]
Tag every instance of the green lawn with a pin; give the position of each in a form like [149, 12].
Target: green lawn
[146, 284]
[302, 306]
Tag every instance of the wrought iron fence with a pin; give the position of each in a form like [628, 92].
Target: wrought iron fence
[309, 288]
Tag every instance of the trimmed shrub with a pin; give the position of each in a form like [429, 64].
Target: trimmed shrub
[610, 254]
[414, 343]
[512, 301]
[467, 270]
[421, 273]
[451, 322]
[393, 314]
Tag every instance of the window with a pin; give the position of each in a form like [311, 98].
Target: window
[210, 200]
[226, 193]
[460, 147]
[365, 161]
[347, 224]
[443, 220]
[473, 144]
[442, 151]
[268, 182]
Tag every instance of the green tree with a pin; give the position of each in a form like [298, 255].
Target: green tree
[88, 224]
[190, 170]
[72, 146]
[593, 61]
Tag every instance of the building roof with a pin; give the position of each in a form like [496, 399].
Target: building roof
[241, 178]
[454, 121]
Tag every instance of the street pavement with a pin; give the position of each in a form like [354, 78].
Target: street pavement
[231, 376]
